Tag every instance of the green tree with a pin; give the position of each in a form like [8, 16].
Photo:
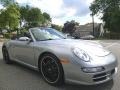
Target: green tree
[10, 17]
[57, 27]
[69, 27]
[34, 17]
[24, 13]
[111, 13]
[31, 16]
[2, 18]
[7, 2]
[47, 16]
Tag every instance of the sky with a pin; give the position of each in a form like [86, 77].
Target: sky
[64, 10]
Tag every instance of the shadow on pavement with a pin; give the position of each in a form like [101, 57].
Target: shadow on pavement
[105, 86]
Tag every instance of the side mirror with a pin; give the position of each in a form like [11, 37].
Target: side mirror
[24, 39]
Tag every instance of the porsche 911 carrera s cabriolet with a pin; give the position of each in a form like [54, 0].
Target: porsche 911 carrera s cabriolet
[60, 59]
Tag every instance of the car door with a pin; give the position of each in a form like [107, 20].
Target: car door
[24, 52]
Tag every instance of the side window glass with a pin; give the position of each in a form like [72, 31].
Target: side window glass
[36, 34]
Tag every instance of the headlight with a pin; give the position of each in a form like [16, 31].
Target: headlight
[81, 54]
[92, 69]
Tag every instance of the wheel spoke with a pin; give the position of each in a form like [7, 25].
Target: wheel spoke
[50, 69]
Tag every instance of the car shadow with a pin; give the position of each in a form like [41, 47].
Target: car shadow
[104, 86]
[20, 67]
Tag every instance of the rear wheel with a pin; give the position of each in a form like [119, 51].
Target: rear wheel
[6, 56]
[51, 70]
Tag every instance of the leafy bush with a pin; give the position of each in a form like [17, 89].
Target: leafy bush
[7, 35]
[22, 31]
[112, 35]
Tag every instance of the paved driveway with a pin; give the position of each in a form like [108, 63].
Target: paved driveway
[17, 77]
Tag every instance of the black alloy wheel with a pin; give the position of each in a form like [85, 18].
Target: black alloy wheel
[52, 70]
[6, 56]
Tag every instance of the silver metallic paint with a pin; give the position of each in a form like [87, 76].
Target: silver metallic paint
[28, 53]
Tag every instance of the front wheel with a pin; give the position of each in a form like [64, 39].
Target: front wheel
[51, 69]
[6, 56]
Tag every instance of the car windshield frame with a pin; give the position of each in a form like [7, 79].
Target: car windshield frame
[45, 34]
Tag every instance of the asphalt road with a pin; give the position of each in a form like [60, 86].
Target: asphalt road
[18, 77]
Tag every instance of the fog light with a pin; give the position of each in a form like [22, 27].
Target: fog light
[92, 69]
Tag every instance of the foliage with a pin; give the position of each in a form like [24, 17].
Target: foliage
[46, 17]
[112, 35]
[23, 30]
[57, 27]
[13, 15]
[6, 2]
[111, 13]
[7, 35]
[34, 17]
[69, 27]
[23, 13]
[10, 17]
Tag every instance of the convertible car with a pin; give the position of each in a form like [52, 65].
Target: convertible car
[60, 59]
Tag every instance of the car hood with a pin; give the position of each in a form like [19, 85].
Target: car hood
[90, 47]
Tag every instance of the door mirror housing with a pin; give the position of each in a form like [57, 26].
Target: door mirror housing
[24, 39]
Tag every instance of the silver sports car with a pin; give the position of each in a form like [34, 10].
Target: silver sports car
[60, 59]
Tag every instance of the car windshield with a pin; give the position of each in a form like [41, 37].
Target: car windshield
[47, 34]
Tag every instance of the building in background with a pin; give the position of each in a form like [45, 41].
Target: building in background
[87, 30]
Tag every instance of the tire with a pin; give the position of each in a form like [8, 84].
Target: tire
[52, 70]
[6, 57]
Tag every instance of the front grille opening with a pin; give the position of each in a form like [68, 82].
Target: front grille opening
[99, 75]
[100, 79]
[113, 71]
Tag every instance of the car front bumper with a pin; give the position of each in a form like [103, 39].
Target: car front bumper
[73, 73]
[93, 79]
